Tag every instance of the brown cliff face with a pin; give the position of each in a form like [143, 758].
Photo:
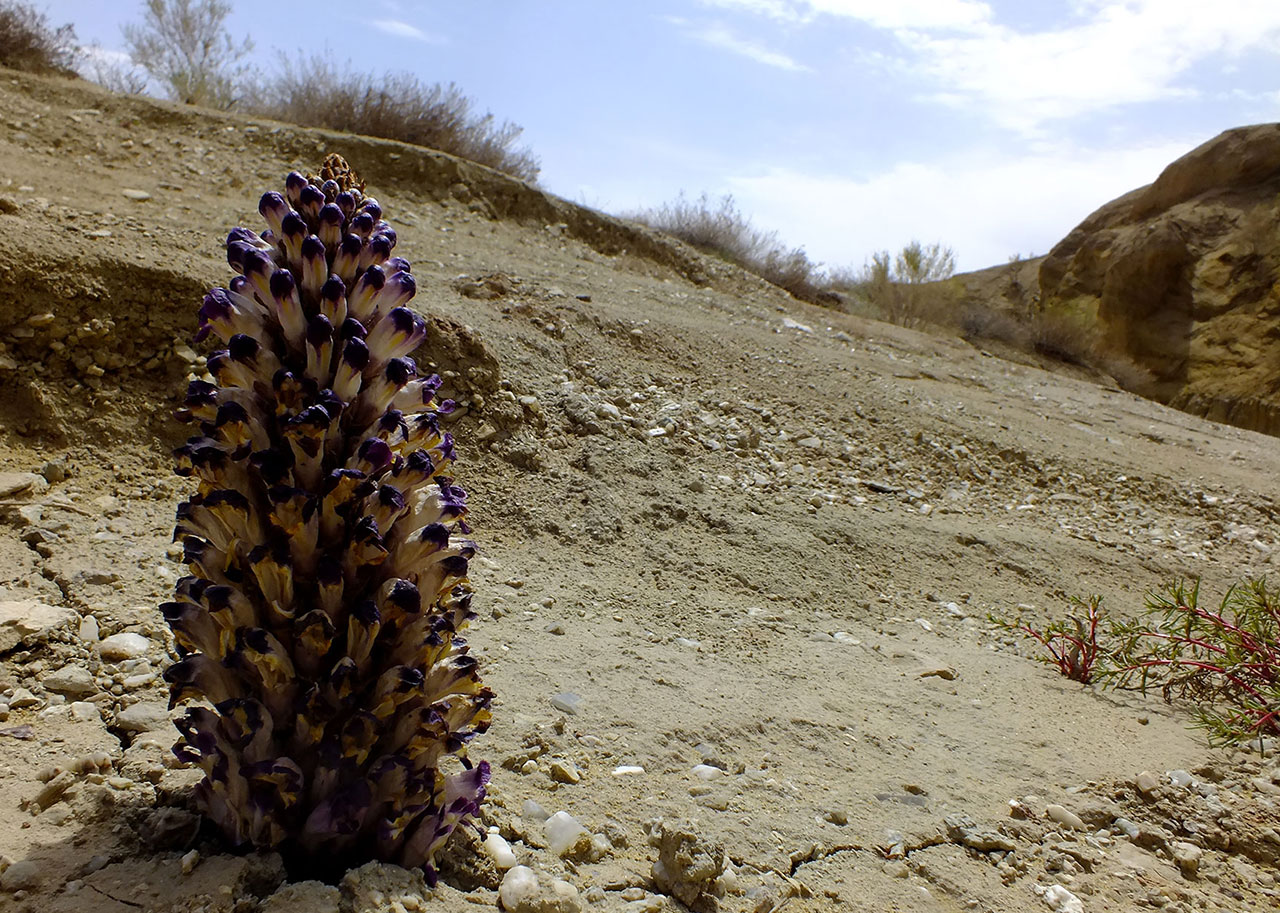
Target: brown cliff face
[1182, 275]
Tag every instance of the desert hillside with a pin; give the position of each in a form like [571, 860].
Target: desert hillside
[737, 558]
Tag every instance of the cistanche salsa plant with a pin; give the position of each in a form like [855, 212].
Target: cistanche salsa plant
[329, 695]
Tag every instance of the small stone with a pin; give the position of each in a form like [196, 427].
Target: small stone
[22, 699]
[624, 770]
[1127, 827]
[1065, 817]
[938, 670]
[85, 711]
[144, 716]
[499, 851]
[1187, 856]
[1180, 778]
[88, 630]
[189, 861]
[565, 772]
[1148, 785]
[73, 681]
[526, 891]
[122, 646]
[137, 195]
[23, 875]
[567, 702]
[554, 628]
[566, 835]
[1060, 900]
[837, 816]
[534, 812]
[8, 205]
[706, 771]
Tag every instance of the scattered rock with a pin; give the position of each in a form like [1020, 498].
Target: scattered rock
[122, 646]
[376, 887]
[1148, 785]
[73, 681]
[30, 622]
[144, 716]
[1187, 856]
[564, 772]
[567, 702]
[23, 875]
[12, 483]
[566, 837]
[525, 891]
[137, 195]
[500, 851]
[303, 897]
[688, 866]
[22, 699]
[1064, 817]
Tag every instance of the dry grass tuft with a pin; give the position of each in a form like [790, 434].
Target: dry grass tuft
[719, 228]
[315, 92]
[28, 42]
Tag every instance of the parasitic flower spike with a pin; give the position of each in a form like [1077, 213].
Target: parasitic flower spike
[329, 693]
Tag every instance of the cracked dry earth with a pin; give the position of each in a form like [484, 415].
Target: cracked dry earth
[738, 556]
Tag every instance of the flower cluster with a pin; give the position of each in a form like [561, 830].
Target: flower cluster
[329, 696]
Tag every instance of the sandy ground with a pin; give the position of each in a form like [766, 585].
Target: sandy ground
[742, 544]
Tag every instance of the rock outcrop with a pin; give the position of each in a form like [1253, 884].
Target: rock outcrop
[1182, 275]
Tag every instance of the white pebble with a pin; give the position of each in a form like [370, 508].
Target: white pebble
[623, 770]
[1060, 900]
[126, 645]
[706, 771]
[499, 851]
[563, 832]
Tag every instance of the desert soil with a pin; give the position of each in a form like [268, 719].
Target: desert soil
[738, 555]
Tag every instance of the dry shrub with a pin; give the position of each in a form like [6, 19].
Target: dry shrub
[28, 42]
[913, 289]
[315, 92]
[719, 228]
[978, 322]
[1065, 337]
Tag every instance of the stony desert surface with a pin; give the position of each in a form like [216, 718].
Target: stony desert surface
[737, 558]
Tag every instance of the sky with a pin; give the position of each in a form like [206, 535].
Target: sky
[846, 126]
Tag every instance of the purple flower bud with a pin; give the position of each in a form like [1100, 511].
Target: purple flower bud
[330, 222]
[346, 202]
[284, 293]
[362, 226]
[315, 271]
[360, 301]
[371, 206]
[346, 262]
[310, 199]
[273, 208]
[293, 184]
[347, 377]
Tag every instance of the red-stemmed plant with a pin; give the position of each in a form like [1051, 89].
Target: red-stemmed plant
[1072, 644]
[1227, 662]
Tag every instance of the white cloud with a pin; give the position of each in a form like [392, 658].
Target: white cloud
[897, 14]
[402, 29]
[984, 208]
[720, 37]
[1110, 53]
[1125, 53]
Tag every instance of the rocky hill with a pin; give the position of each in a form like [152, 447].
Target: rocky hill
[738, 555]
[1182, 276]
